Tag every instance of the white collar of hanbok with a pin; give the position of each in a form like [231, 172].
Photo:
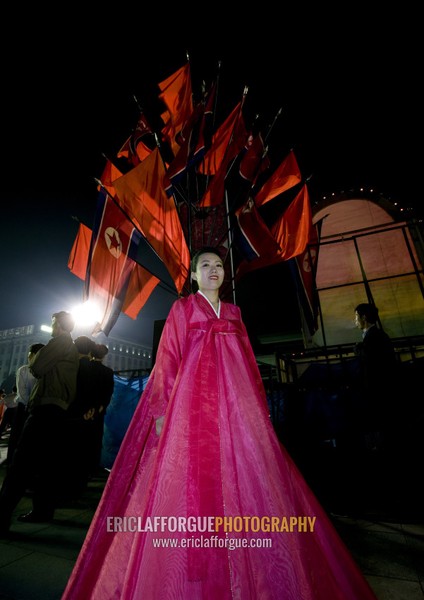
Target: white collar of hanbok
[217, 312]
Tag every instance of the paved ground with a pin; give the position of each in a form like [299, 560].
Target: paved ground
[35, 563]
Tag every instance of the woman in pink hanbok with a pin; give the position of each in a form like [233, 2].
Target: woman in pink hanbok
[203, 502]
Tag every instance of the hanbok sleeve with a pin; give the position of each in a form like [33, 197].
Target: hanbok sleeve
[168, 359]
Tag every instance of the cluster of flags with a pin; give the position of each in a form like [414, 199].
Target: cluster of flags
[190, 184]
[105, 258]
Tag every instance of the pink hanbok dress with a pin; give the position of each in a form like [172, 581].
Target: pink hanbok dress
[217, 460]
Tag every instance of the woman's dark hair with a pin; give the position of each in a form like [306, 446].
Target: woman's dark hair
[200, 252]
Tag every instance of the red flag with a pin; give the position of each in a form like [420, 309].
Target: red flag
[134, 149]
[205, 131]
[111, 266]
[284, 177]
[179, 165]
[214, 194]
[291, 232]
[255, 160]
[141, 283]
[140, 286]
[303, 269]
[252, 236]
[110, 173]
[236, 138]
[193, 138]
[176, 93]
[78, 258]
[141, 192]
[227, 142]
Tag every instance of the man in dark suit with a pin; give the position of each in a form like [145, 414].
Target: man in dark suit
[105, 386]
[95, 385]
[378, 369]
[81, 417]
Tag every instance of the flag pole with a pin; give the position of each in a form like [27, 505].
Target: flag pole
[273, 123]
[230, 247]
[227, 210]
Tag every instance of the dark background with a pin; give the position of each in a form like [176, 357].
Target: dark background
[348, 85]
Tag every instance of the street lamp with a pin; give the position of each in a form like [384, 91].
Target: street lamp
[86, 314]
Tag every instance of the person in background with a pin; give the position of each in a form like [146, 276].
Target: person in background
[201, 451]
[378, 417]
[25, 381]
[84, 405]
[9, 401]
[105, 386]
[81, 415]
[378, 378]
[40, 450]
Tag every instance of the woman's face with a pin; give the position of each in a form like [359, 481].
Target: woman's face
[209, 272]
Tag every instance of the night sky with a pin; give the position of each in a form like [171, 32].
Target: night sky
[348, 89]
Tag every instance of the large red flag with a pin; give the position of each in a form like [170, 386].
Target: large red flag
[176, 93]
[194, 138]
[204, 139]
[141, 283]
[292, 232]
[111, 268]
[225, 142]
[236, 139]
[141, 193]
[252, 236]
[181, 162]
[255, 160]
[284, 177]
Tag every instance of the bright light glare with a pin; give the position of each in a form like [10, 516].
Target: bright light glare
[86, 314]
[46, 328]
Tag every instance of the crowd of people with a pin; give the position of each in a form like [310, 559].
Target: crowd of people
[61, 395]
[200, 446]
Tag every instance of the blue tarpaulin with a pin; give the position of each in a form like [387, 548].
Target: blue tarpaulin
[126, 395]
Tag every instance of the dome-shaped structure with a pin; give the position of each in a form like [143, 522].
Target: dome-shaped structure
[368, 255]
